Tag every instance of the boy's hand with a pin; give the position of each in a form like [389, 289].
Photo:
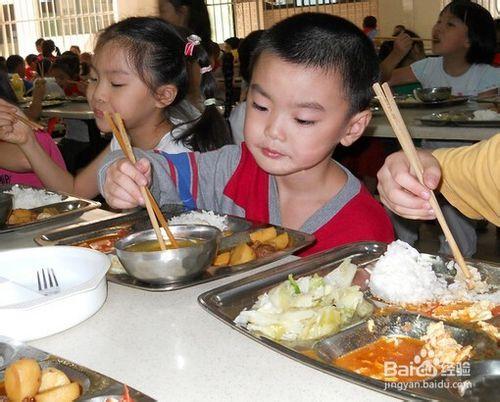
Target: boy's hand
[400, 190]
[11, 129]
[123, 183]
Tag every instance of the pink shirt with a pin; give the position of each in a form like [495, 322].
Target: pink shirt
[30, 178]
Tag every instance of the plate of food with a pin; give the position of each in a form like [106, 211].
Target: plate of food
[33, 207]
[464, 118]
[409, 101]
[328, 312]
[245, 245]
[27, 373]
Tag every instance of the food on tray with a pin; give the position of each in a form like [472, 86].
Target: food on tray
[486, 114]
[406, 359]
[263, 242]
[24, 380]
[106, 243]
[308, 308]
[404, 276]
[28, 198]
[465, 311]
[21, 216]
[201, 218]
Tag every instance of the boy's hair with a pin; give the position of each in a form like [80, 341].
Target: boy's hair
[31, 58]
[330, 43]
[481, 30]
[370, 22]
[245, 51]
[198, 20]
[155, 49]
[70, 65]
[13, 62]
[6, 91]
[233, 42]
[3, 64]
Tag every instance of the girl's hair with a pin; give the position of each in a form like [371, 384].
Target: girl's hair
[155, 50]
[331, 44]
[48, 47]
[6, 91]
[481, 30]
[228, 72]
[70, 65]
[31, 58]
[198, 20]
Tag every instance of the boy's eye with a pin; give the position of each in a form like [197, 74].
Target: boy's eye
[305, 122]
[258, 107]
[116, 85]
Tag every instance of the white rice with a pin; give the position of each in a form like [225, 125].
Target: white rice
[201, 218]
[486, 114]
[28, 198]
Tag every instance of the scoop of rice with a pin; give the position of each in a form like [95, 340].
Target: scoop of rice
[402, 275]
[28, 198]
[201, 218]
[486, 115]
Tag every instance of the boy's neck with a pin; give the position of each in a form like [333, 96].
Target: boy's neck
[304, 193]
[148, 135]
[455, 65]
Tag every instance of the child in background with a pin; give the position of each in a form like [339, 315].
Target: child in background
[16, 65]
[75, 50]
[14, 166]
[66, 71]
[237, 116]
[140, 71]
[39, 48]
[464, 39]
[48, 49]
[31, 61]
[283, 174]
[370, 27]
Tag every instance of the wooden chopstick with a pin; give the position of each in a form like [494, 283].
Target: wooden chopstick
[29, 123]
[391, 109]
[152, 207]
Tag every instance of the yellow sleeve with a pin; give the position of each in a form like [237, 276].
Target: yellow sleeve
[471, 178]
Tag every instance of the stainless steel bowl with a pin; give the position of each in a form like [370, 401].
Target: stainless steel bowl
[172, 265]
[5, 207]
[434, 94]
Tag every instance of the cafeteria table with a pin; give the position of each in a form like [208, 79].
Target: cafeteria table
[165, 345]
[379, 126]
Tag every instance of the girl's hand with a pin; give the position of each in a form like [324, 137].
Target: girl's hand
[403, 44]
[11, 129]
[400, 190]
[123, 183]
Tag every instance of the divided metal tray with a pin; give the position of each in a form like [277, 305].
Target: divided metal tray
[459, 118]
[227, 301]
[69, 209]
[95, 386]
[137, 221]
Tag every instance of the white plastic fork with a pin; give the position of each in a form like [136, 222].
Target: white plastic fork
[47, 283]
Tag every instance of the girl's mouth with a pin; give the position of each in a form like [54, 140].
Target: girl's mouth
[98, 113]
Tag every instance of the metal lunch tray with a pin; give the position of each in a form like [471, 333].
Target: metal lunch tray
[70, 208]
[240, 229]
[458, 118]
[93, 384]
[227, 301]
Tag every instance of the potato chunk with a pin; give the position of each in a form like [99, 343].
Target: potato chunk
[64, 393]
[222, 259]
[22, 379]
[263, 235]
[280, 242]
[241, 254]
[52, 378]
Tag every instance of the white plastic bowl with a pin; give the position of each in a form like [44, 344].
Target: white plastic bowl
[26, 314]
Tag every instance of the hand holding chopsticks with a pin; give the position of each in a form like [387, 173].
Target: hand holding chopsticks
[152, 207]
[391, 109]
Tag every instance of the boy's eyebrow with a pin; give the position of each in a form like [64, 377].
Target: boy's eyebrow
[303, 105]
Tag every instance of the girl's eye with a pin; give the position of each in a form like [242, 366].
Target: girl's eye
[116, 85]
[258, 107]
[305, 122]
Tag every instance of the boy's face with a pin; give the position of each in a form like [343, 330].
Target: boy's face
[295, 115]
[60, 76]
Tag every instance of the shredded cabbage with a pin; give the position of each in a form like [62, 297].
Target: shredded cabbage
[307, 308]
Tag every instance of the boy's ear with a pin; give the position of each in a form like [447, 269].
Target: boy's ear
[355, 127]
[165, 95]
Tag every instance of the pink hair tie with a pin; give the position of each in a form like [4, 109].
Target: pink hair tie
[206, 69]
[192, 41]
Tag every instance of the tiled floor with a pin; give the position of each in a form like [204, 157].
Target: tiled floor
[488, 242]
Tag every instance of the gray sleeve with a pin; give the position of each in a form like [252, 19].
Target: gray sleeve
[161, 187]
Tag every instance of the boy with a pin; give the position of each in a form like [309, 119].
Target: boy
[310, 90]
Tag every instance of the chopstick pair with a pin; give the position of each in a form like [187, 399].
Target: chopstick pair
[152, 207]
[29, 123]
[392, 112]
